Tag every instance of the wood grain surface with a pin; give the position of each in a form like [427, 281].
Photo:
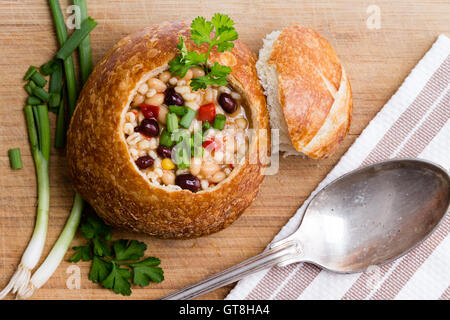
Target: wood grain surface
[376, 60]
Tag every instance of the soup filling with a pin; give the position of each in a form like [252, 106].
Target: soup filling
[185, 139]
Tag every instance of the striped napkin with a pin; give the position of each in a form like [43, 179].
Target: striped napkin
[413, 124]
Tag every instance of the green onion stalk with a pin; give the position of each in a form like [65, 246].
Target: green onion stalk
[48, 267]
[39, 136]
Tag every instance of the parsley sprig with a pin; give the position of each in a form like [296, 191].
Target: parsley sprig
[116, 264]
[218, 32]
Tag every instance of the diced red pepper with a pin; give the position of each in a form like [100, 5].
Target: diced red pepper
[207, 112]
[211, 145]
[149, 111]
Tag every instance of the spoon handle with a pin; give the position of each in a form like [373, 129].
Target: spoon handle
[269, 258]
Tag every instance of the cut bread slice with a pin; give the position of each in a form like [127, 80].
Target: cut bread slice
[308, 92]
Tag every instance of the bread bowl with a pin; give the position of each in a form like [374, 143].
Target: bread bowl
[308, 92]
[104, 171]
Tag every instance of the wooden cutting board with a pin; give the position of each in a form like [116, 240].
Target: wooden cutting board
[376, 60]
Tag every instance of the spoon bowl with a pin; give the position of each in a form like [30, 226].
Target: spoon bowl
[367, 217]
[373, 215]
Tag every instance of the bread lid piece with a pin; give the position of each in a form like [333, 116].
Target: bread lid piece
[309, 95]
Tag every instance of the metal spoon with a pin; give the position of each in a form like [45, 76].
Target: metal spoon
[367, 217]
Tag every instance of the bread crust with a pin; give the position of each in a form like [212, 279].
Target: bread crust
[99, 162]
[311, 81]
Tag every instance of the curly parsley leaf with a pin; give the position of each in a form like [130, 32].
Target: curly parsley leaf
[99, 269]
[218, 32]
[126, 250]
[186, 60]
[201, 30]
[115, 264]
[218, 76]
[81, 253]
[95, 227]
[146, 271]
[118, 280]
[225, 32]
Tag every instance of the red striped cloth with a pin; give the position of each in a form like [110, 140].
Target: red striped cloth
[414, 124]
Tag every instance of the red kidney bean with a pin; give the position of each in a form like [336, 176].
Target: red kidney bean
[173, 98]
[164, 152]
[227, 103]
[144, 162]
[188, 181]
[149, 127]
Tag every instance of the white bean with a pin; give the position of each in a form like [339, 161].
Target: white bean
[156, 84]
[209, 168]
[173, 81]
[150, 93]
[156, 100]
[138, 99]
[128, 128]
[218, 176]
[197, 72]
[143, 89]
[165, 76]
[168, 177]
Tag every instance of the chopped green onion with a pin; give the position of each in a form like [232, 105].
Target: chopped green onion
[206, 125]
[219, 122]
[172, 122]
[41, 94]
[32, 85]
[61, 33]
[31, 100]
[54, 100]
[85, 46]
[38, 79]
[182, 159]
[196, 144]
[48, 67]
[165, 139]
[74, 41]
[178, 110]
[186, 120]
[28, 89]
[56, 81]
[31, 70]
[14, 158]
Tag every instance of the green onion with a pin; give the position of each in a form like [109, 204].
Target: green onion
[33, 252]
[28, 89]
[172, 122]
[32, 85]
[186, 120]
[219, 122]
[206, 125]
[182, 158]
[41, 94]
[58, 251]
[31, 70]
[54, 100]
[48, 267]
[38, 79]
[74, 41]
[165, 139]
[56, 81]
[14, 158]
[60, 133]
[31, 100]
[196, 144]
[178, 110]
[48, 67]
[85, 46]
[61, 33]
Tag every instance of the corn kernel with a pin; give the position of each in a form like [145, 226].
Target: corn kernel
[167, 164]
